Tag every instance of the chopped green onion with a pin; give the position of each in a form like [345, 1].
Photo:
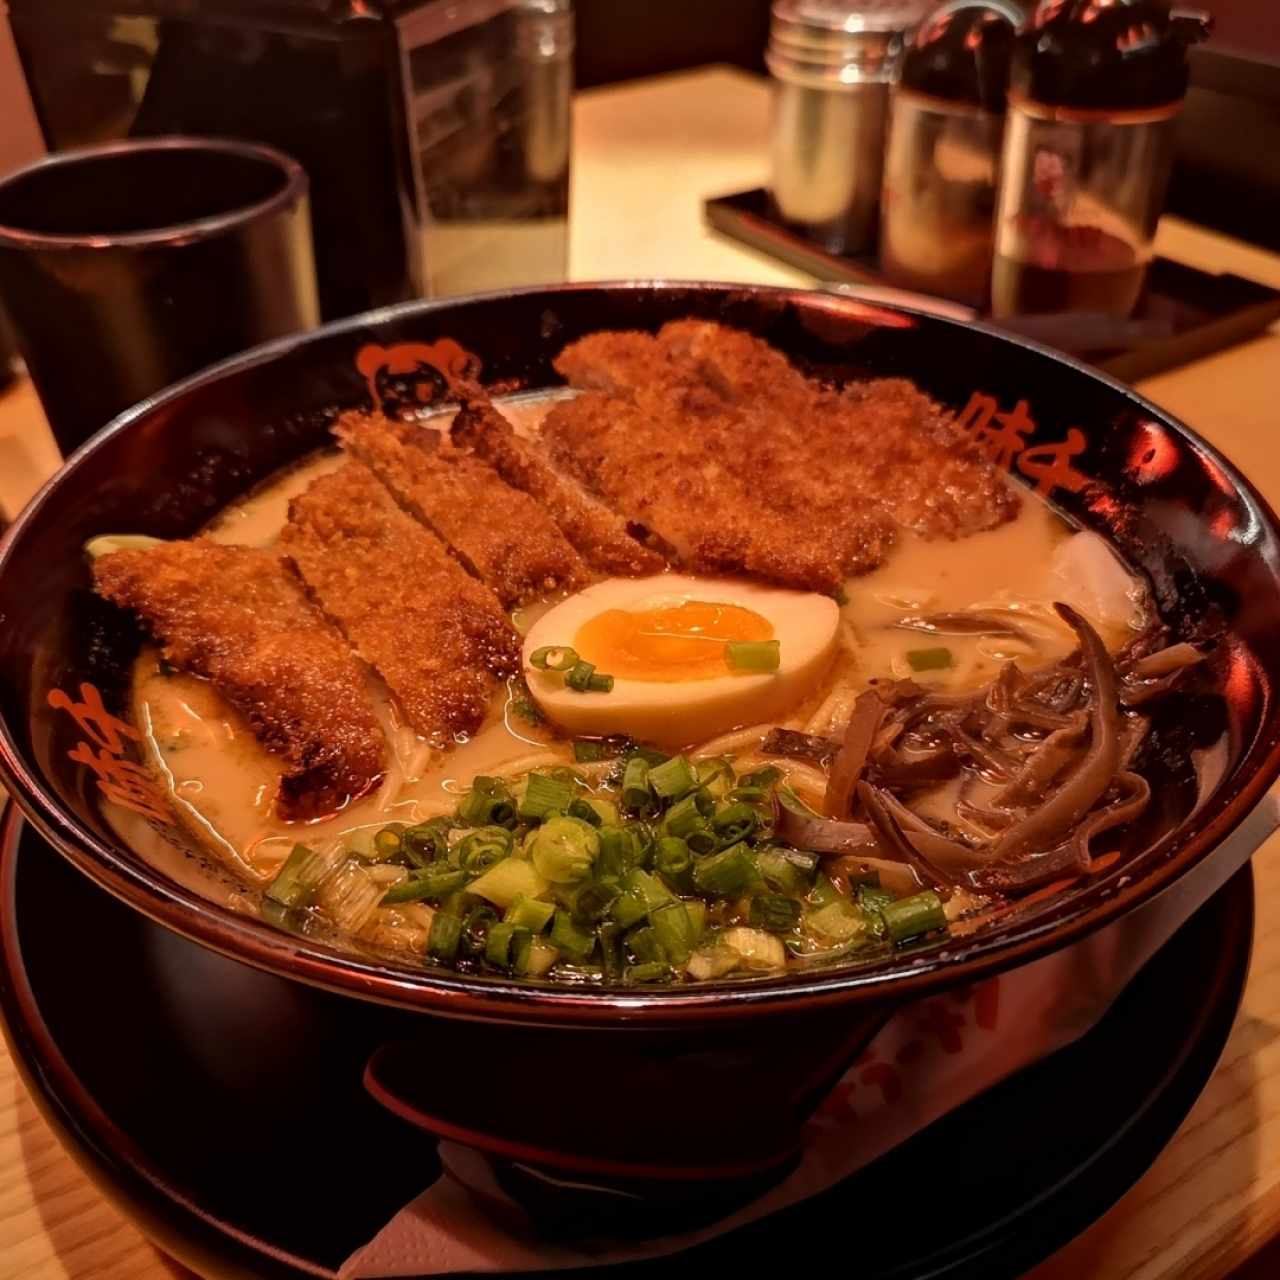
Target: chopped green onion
[446, 933]
[713, 962]
[293, 919]
[702, 840]
[636, 796]
[929, 659]
[291, 887]
[605, 809]
[755, 787]
[784, 870]
[840, 596]
[521, 950]
[475, 928]
[592, 902]
[910, 917]
[714, 776]
[672, 779]
[619, 850]
[696, 910]
[563, 849]
[873, 898]
[500, 944]
[651, 755]
[592, 750]
[579, 808]
[599, 683]
[753, 655]
[434, 882]
[529, 913]
[646, 945]
[774, 912]
[553, 658]
[673, 861]
[535, 959]
[483, 848]
[837, 921]
[578, 677]
[567, 937]
[426, 842]
[687, 814]
[628, 908]
[652, 971]
[386, 843]
[756, 948]
[609, 934]
[734, 822]
[648, 889]
[824, 892]
[646, 836]
[674, 931]
[544, 795]
[487, 803]
[508, 880]
[725, 873]
[528, 709]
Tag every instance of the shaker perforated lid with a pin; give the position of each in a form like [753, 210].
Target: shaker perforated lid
[961, 52]
[1107, 54]
[837, 42]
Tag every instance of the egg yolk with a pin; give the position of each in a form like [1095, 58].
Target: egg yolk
[675, 642]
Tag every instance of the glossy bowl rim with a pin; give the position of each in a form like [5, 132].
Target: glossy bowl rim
[255, 942]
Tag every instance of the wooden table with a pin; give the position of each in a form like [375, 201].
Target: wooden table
[646, 155]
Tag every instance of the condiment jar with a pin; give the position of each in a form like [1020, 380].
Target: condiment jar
[833, 63]
[937, 208]
[1095, 88]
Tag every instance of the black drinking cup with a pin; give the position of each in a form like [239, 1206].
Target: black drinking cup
[128, 266]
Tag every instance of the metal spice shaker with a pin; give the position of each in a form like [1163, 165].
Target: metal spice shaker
[1095, 88]
[942, 161]
[833, 63]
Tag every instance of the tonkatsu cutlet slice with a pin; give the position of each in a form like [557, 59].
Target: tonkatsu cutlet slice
[725, 500]
[742, 368]
[508, 541]
[881, 444]
[616, 361]
[238, 617]
[436, 636]
[598, 534]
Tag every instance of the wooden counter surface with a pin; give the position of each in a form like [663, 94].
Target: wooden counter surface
[646, 155]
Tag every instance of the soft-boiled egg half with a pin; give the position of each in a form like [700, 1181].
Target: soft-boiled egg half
[665, 641]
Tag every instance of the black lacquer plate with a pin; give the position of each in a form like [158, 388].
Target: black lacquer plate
[222, 1107]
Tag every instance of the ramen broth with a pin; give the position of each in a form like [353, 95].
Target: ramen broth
[223, 784]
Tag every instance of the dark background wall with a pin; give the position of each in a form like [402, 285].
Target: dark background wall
[1247, 26]
[620, 39]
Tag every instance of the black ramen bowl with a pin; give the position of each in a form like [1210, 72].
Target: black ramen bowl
[763, 1047]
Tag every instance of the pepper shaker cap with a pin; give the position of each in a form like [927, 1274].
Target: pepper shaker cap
[827, 43]
[961, 52]
[1107, 55]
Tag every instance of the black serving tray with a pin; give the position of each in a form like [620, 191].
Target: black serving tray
[186, 1085]
[1185, 314]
